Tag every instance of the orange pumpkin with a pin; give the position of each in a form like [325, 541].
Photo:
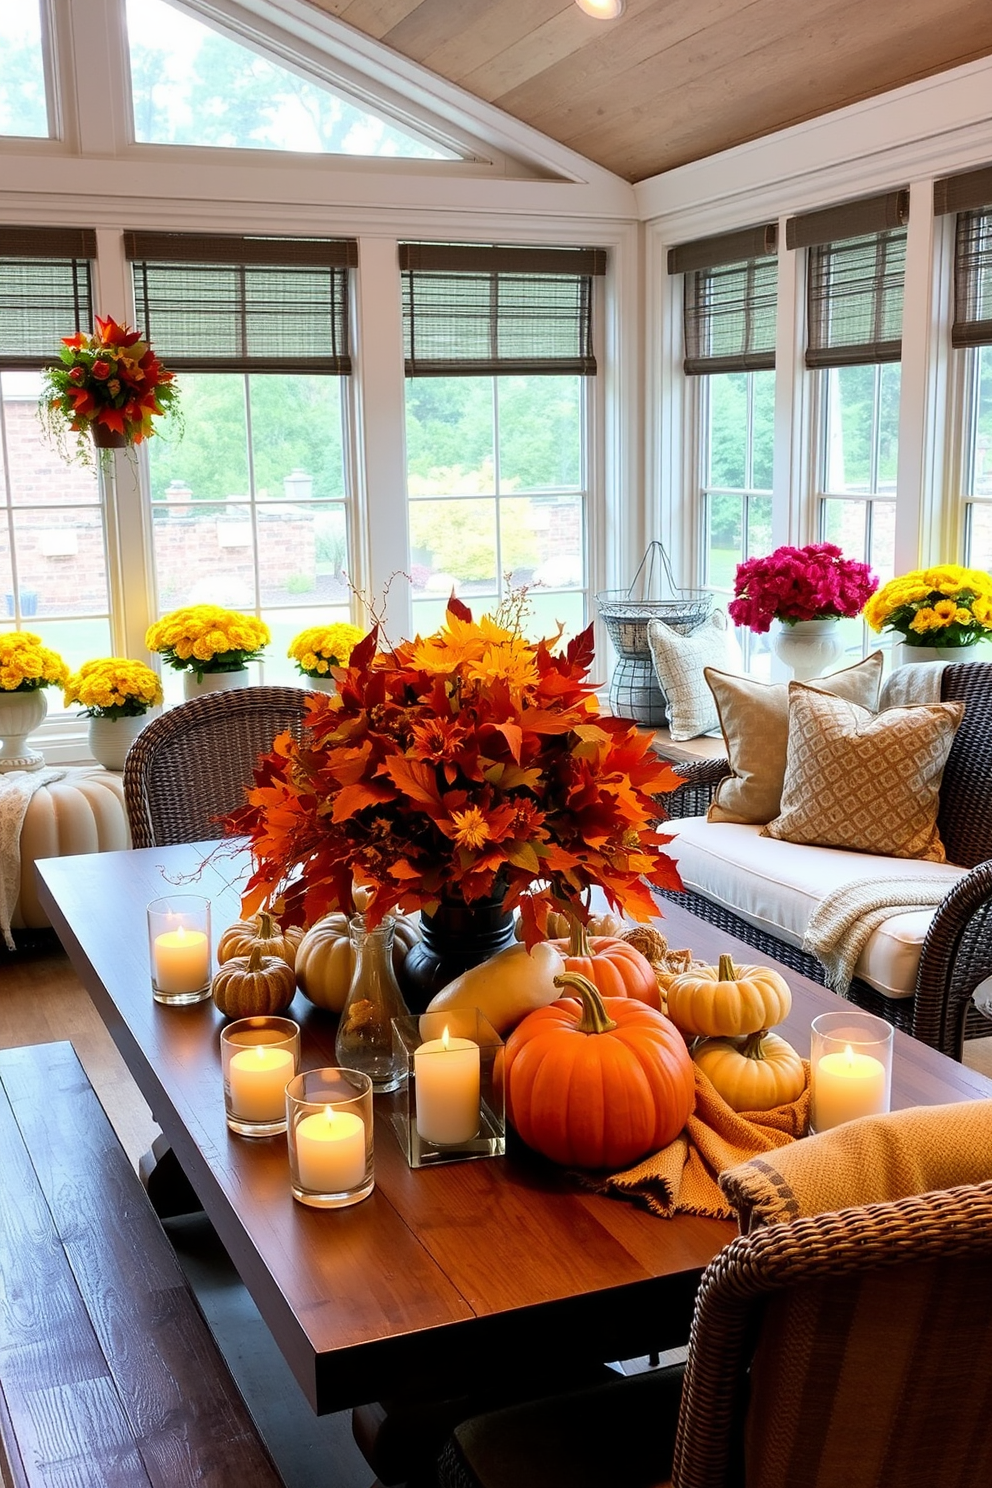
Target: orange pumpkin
[597, 1082]
[615, 967]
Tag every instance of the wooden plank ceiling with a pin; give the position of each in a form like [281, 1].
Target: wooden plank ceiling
[674, 80]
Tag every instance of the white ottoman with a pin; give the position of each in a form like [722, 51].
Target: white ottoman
[81, 813]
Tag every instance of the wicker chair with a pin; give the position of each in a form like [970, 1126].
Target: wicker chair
[957, 953]
[850, 1350]
[192, 765]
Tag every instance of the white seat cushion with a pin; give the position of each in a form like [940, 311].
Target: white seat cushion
[775, 886]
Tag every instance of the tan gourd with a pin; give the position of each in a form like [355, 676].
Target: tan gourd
[755, 1073]
[559, 926]
[726, 1001]
[252, 986]
[241, 938]
[325, 960]
[507, 987]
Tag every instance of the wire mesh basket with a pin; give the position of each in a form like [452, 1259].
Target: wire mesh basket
[626, 615]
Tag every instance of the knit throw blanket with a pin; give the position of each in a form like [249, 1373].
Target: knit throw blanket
[16, 789]
[842, 924]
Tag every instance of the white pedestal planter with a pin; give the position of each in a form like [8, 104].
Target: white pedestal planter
[111, 738]
[20, 714]
[809, 647]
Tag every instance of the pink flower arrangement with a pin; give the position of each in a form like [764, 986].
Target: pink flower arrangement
[812, 583]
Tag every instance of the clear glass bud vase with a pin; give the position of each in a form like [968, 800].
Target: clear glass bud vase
[365, 1034]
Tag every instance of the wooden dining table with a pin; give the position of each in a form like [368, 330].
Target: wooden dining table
[442, 1272]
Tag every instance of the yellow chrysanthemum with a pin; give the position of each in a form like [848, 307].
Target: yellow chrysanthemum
[945, 610]
[26, 664]
[320, 647]
[205, 633]
[114, 682]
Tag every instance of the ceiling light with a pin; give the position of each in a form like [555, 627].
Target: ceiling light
[602, 10]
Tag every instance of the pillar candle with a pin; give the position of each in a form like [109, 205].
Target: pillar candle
[845, 1086]
[330, 1151]
[259, 1077]
[446, 1071]
[182, 960]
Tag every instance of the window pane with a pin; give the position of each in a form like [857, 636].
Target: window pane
[454, 545]
[759, 526]
[724, 540]
[846, 524]
[541, 541]
[210, 461]
[979, 550]
[449, 435]
[763, 435]
[540, 432]
[285, 625]
[193, 86]
[288, 564]
[850, 407]
[882, 555]
[23, 105]
[727, 433]
[981, 480]
[890, 380]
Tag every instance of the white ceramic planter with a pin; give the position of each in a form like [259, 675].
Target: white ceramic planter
[321, 684]
[111, 738]
[809, 647]
[20, 714]
[213, 682]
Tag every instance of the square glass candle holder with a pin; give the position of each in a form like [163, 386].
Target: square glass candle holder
[329, 1112]
[850, 1067]
[259, 1057]
[451, 1106]
[179, 949]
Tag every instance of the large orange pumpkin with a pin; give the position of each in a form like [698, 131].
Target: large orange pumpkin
[595, 1082]
[615, 967]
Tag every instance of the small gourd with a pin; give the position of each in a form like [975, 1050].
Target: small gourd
[597, 1082]
[325, 961]
[726, 1001]
[558, 925]
[507, 987]
[253, 986]
[614, 966]
[240, 939]
[755, 1073]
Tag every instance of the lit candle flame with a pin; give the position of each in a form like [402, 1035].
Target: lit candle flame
[849, 1054]
[444, 1037]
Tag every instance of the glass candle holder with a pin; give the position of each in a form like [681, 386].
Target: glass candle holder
[259, 1056]
[850, 1068]
[451, 1107]
[179, 949]
[329, 1112]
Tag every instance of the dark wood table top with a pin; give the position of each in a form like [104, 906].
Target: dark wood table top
[434, 1277]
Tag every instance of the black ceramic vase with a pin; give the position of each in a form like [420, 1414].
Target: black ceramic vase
[455, 937]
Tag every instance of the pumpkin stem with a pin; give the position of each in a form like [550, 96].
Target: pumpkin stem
[595, 1018]
[753, 1046]
[578, 939]
[264, 925]
[725, 971]
[255, 959]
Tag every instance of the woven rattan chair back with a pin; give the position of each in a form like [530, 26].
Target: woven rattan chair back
[965, 818]
[192, 765]
[850, 1350]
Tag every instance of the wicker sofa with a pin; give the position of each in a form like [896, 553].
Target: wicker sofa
[956, 955]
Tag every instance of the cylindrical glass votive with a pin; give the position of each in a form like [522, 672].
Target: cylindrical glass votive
[330, 1137]
[259, 1057]
[850, 1067]
[179, 948]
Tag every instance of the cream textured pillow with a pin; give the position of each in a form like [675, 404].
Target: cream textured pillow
[754, 720]
[865, 781]
[679, 661]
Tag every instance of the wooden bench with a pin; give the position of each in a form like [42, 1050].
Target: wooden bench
[108, 1371]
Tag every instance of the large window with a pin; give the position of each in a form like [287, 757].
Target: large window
[23, 99]
[855, 275]
[252, 507]
[499, 358]
[53, 550]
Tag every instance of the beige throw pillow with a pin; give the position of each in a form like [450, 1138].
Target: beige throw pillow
[754, 720]
[679, 662]
[865, 781]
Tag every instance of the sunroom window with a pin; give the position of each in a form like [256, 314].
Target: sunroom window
[192, 85]
[23, 100]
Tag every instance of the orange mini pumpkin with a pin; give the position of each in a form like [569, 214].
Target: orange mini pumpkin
[615, 967]
[597, 1082]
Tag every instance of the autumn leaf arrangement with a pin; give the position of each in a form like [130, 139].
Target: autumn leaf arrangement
[471, 765]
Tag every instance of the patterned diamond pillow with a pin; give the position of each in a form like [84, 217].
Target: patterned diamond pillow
[679, 661]
[861, 780]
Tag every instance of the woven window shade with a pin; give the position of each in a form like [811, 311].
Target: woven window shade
[471, 311]
[45, 292]
[244, 304]
[729, 317]
[973, 280]
[854, 300]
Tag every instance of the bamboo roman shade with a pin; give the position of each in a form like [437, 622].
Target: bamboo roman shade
[473, 310]
[970, 196]
[854, 284]
[228, 304]
[729, 300]
[45, 292]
